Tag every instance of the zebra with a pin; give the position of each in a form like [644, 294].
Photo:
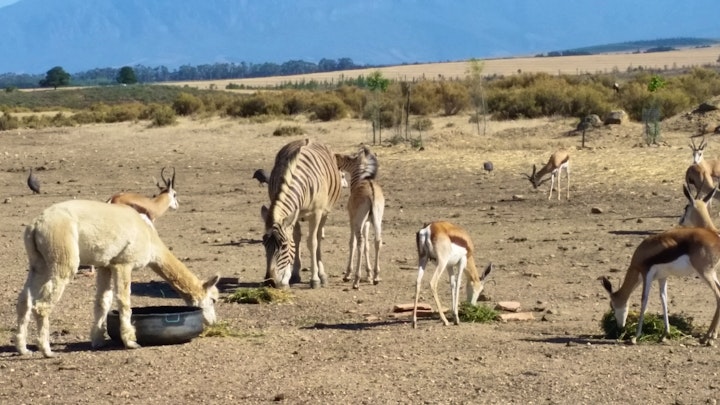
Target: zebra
[366, 202]
[304, 184]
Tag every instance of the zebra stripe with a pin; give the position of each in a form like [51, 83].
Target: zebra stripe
[304, 184]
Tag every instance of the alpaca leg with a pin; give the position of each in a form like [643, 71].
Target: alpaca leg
[421, 271]
[121, 276]
[433, 287]
[50, 293]
[103, 302]
[24, 308]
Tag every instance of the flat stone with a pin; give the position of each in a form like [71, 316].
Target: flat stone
[517, 316]
[409, 307]
[510, 306]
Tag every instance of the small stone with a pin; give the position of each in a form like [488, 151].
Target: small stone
[517, 316]
[518, 197]
[596, 210]
[510, 306]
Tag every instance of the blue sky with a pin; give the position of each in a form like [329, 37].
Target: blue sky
[4, 3]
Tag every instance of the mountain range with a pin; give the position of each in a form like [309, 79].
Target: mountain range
[36, 35]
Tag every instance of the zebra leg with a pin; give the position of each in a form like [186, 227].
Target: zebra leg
[319, 277]
[297, 266]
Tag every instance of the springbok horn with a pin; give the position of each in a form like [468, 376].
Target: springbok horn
[172, 181]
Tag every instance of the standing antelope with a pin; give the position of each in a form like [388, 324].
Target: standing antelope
[304, 184]
[684, 252]
[559, 161]
[151, 207]
[702, 170]
[366, 202]
[452, 248]
[116, 240]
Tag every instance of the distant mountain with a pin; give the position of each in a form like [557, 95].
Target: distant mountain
[36, 35]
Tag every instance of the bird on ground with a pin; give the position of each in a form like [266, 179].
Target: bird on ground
[261, 176]
[33, 182]
[488, 166]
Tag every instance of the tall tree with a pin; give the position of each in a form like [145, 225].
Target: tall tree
[377, 84]
[477, 93]
[126, 75]
[55, 78]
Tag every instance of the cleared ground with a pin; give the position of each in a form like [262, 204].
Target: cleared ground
[337, 345]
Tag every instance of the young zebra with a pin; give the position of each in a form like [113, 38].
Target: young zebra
[366, 202]
[304, 184]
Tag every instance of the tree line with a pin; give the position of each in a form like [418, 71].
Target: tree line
[148, 74]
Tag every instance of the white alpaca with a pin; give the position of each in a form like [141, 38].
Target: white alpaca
[114, 239]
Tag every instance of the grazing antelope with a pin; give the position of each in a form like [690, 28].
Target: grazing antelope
[366, 202]
[684, 252]
[151, 207]
[112, 238]
[559, 161]
[452, 248]
[304, 185]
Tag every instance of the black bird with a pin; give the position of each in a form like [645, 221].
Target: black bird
[33, 182]
[261, 176]
[488, 166]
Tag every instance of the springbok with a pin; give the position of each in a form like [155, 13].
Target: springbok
[684, 252]
[112, 238]
[304, 184]
[366, 202]
[702, 170]
[559, 161]
[151, 207]
[452, 248]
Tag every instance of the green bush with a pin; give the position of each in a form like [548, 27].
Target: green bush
[187, 104]
[161, 115]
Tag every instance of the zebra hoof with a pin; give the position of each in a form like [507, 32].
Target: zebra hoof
[314, 284]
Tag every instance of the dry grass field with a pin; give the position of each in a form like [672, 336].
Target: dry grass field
[593, 64]
[339, 345]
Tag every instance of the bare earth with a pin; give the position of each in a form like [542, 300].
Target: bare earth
[337, 345]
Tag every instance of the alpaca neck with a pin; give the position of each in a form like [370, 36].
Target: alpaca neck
[180, 278]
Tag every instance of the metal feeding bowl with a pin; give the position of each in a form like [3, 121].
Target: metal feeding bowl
[159, 325]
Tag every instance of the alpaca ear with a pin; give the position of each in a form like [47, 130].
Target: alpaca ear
[211, 282]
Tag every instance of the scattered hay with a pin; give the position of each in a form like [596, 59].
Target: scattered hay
[477, 313]
[681, 326]
[223, 329]
[260, 295]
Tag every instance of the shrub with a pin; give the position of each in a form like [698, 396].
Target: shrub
[295, 102]
[353, 97]
[453, 97]
[186, 104]
[288, 131]
[161, 115]
[8, 122]
[329, 107]
[423, 98]
[258, 104]
[477, 313]
[653, 326]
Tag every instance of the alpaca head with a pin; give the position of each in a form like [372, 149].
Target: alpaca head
[207, 302]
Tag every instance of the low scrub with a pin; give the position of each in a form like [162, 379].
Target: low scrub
[480, 313]
[681, 326]
[260, 295]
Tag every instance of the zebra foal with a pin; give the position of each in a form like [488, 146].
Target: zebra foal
[304, 185]
[366, 203]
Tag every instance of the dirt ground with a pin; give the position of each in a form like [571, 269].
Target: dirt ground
[338, 345]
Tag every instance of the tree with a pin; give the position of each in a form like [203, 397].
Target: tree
[55, 78]
[477, 95]
[126, 75]
[377, 84]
